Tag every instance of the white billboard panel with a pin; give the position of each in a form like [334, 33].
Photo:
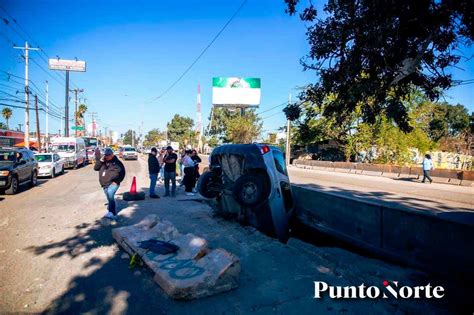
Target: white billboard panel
[236, 91]
[67, 65]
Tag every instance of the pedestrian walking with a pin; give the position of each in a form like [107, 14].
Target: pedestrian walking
[189, 175]
[196, 159]
[170, 171]
[427, 167]
[153, 170]
[111, 174]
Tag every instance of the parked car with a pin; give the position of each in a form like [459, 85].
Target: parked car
[129, 153]
[49, 164]
[71, 149]
[251, 180]
[17, 166]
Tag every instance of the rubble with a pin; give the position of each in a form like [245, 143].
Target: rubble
[194, 271]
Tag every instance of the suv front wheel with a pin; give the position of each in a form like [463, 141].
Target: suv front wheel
[34, 179]
[208, 184]
[250, 190]
[13, 189]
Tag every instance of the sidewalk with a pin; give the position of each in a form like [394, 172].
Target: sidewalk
[274, 277]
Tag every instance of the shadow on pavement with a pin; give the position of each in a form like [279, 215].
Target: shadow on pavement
[274, 278]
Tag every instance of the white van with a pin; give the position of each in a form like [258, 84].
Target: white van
[72, 150]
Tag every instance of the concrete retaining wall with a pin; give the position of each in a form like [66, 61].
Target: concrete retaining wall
[457, 177]
[443, 242]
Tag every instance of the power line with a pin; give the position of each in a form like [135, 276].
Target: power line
[202, 53]
[272, 108]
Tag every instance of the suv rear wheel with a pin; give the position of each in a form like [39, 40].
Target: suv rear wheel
[34, 179]
[250, 190]
[13, 189]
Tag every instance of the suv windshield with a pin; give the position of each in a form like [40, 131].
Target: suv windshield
[280, 162]
[43, 157]
[7, 156]
[128, 149]
[64, 148]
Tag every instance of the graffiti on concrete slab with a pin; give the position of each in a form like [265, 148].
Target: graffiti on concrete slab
[179, 269]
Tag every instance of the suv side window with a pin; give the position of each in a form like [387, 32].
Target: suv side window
[280, 162]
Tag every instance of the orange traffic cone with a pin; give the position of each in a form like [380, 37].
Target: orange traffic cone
[133, 188]
[133, 195]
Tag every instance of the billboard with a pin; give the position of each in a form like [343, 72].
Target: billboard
[67, 65]
[236, 91]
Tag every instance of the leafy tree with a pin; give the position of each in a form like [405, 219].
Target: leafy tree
[127, 137]
[233, 127]
[153, 137]
[180, 129]
[7, 114]
[369, 54]
[3, 125]
[448, 121]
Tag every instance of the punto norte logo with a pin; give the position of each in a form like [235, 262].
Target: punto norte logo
[390, 289]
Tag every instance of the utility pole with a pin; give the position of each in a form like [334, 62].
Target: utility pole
[288, 134]
[93, 122]
[47, 112]
[26, 138]
[76, 91]
[133, 138]
[66, 107]
[38, 134]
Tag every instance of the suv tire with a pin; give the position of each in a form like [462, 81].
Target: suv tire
[250, 190]
[34, 179]
[206, 179]
[14, 185]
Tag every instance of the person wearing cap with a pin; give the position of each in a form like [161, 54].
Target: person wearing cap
[111, 174]
[170, 171]
[153, 170]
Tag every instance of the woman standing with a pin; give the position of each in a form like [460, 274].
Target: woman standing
[189, 176]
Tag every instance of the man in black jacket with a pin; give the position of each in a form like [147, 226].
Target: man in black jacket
[153, 170]
[111, 174]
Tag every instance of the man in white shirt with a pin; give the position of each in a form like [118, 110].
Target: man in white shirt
[427, 167]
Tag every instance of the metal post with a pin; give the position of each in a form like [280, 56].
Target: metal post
[66, 107]
[38, 133]
[288, 135]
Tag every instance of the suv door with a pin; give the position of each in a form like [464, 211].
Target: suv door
[22, 167]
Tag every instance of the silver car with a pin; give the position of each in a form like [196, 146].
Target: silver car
[251, 181]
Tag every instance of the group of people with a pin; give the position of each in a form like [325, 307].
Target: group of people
[165, 163]
[112, 173]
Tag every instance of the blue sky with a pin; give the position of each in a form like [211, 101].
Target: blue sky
[135, 49]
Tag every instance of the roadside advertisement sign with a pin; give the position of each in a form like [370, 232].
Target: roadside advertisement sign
[236, 91]
[67, 65]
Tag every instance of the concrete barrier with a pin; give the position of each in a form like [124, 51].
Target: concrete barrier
[456, 177]
[441, 242]
[194, 271]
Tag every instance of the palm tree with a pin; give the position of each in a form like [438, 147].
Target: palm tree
[7, 114]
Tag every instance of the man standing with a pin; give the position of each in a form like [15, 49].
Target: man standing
[427, 167]
[170, 171]
[111, 174]
[196, 159]
[153, 170]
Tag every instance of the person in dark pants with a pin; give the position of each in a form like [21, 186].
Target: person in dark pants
[170, 171]
[427, 167]
[196, 159]
[153, 170]
[111, 174]
[189, 176]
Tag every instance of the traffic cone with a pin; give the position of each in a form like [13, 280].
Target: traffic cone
[133, 188]
[133, 195]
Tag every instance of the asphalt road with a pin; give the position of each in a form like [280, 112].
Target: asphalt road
[56, 256]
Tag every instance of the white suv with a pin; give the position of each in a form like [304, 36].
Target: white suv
[251, 181]
[129, 154]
